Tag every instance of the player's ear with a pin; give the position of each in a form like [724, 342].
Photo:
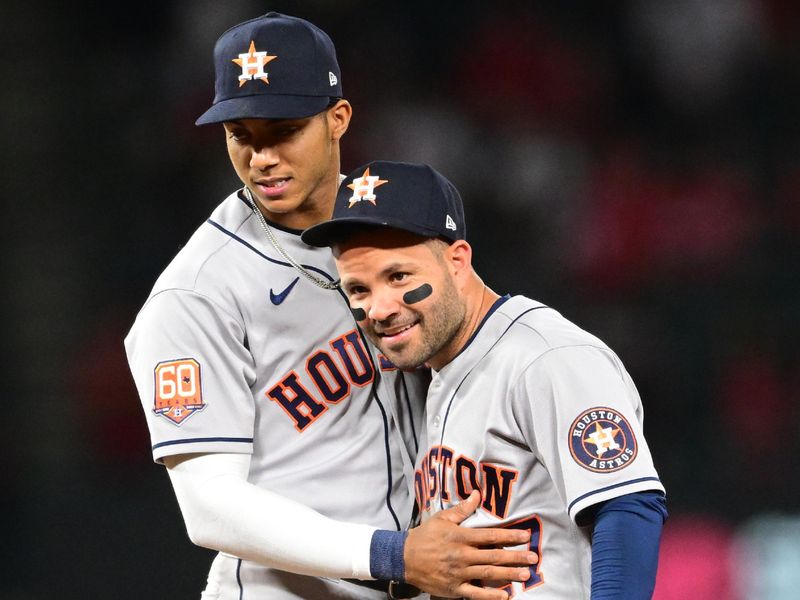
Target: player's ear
[459, 257]
[338, 117]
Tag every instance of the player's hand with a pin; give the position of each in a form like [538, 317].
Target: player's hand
[444, 559]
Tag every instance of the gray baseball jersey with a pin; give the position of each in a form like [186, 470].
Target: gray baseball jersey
[544, 420]
[236, 351]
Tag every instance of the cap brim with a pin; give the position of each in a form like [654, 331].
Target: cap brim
[329, 233]
[264, 106]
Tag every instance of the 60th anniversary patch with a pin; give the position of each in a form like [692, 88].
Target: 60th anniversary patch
[601, 440]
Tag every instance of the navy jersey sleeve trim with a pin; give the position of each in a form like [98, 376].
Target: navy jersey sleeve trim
[610, 487]
[202, 440]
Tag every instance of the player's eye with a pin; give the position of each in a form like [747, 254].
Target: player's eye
[398, 277]
[288, 130]
[355, 290]
[237, 135]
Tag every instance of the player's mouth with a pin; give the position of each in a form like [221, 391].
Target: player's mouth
[273, 187]
[393, 335]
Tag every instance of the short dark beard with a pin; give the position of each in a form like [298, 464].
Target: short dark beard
[442, 324]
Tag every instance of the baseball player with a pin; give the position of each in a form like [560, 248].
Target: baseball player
[288, 439]
[537, 414]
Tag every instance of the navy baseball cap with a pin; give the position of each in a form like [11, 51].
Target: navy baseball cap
[407, 196]
[273, 67]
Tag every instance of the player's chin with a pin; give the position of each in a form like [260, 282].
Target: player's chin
[399, 349]
[286, 201]
[400, 359]
[281, 204]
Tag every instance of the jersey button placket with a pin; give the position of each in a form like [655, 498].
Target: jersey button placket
[433, 391]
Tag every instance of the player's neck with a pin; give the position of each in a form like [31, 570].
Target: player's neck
[480, 299]
[485, 298]
[324, 196]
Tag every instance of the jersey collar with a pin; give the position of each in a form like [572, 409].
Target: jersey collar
[494, 325]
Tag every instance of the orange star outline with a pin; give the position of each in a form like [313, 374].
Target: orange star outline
[251, 53]
[362, 189]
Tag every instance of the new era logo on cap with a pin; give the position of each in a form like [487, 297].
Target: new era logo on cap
[412, 197]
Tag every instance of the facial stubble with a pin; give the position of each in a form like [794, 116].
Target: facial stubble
[438, 327]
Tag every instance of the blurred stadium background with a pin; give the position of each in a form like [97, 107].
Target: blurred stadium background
[634, 164]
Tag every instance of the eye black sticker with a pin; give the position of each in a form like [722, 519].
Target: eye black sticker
[418, 294]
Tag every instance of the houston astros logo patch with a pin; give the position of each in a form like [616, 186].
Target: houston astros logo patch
[178, 393]
[364, 188]
[601, 440]
[253, 64]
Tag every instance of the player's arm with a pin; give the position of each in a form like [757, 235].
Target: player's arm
[224, 512]
[625, 540]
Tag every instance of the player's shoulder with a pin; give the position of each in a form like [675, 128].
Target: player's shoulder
[202, 262]
[541, 328]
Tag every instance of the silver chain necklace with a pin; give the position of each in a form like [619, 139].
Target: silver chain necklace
[324, 284]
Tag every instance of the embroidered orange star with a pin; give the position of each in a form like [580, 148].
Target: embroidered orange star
[252, 64]
[364, 188]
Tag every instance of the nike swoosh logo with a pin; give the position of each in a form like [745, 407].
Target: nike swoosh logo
[277, 299]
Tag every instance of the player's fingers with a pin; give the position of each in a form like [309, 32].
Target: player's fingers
[494, 536]
[462, 510]
[498, 556]
[473, 592]
[499, 575]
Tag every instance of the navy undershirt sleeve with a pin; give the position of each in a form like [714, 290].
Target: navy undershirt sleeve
[625, 540]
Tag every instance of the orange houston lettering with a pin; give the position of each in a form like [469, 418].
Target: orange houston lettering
[437, 468]
[497, 484]
[331, 379]
[296, 401]
[328, 379]
[350, 349]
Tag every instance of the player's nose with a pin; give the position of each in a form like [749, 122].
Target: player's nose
[383, 306]
[264, 158]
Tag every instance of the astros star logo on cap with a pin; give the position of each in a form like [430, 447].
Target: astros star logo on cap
[364, 188]
[253, 64]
